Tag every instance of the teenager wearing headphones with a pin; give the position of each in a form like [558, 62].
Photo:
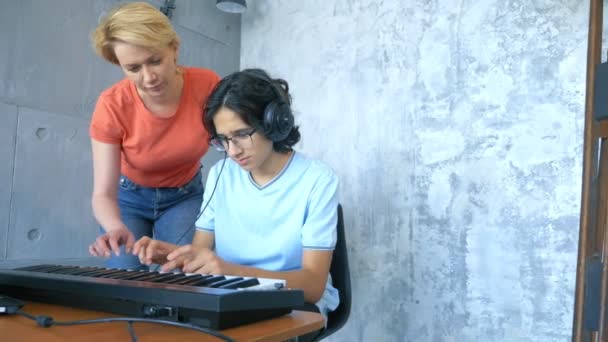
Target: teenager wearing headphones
[147, 136]
[274, 212]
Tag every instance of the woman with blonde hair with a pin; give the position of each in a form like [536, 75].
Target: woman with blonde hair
[147, 136]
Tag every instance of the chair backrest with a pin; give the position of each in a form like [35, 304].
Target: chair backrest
[340, 274]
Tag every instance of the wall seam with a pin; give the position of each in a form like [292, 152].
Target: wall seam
[12, 191]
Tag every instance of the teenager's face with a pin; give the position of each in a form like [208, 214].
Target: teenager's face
[255, 149]
[153, 72]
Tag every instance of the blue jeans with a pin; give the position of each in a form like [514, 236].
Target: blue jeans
[166, 214]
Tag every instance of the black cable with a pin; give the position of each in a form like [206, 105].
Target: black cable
[25, 314]
[202, 210]
[132, 331]
[209, 201]
[47, 321]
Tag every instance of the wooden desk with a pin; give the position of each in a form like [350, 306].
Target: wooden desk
[18, 328]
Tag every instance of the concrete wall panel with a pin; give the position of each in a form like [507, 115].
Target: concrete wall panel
[51, 208]
[8, 132]
[456, 130]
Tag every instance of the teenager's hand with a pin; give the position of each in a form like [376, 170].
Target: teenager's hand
[203, 261]
[152, 251]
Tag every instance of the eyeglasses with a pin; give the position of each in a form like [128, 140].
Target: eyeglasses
[241, 140]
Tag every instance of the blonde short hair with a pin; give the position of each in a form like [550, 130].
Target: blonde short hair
[136, 23]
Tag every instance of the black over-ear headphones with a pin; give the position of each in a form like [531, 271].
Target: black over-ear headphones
[277, 120]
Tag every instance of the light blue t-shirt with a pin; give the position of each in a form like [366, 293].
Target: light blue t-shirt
[268, 227]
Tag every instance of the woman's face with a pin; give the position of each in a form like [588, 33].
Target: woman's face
[153, 72]
[255, 150]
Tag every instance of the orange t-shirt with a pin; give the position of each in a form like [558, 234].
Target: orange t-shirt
[155, 151]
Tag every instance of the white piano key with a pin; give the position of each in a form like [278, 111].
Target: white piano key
[266, 284]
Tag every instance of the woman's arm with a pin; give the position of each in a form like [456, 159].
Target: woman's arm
[106, 172]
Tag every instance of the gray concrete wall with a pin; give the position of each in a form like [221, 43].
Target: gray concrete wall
[49, 82]
[456, 130]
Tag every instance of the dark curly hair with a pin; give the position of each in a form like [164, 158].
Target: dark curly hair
[247, 93]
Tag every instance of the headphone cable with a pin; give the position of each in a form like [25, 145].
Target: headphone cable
[205, 207]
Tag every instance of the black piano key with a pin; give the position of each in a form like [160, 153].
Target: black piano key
[180, 277]
[149, 275]
[100, 272]
[76, 271]
[95, 272]
[209, 280]
[241, 284]
[135, 275]
[61, 270]
[35, 268]
[53, 269]
[124, 274]
[224, 282]
[192, 279]
[109, 273]
[156, 277]
[163, 278]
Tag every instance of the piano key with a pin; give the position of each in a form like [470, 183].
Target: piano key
[267, 284]
[208, 280]
[35, 268]
[60, 270]
[161, 277]
[122, 274]
[224, 282]
[119, 275]
[76, 271]
[135, 275]
[192, 279]
[189, 279]
[170, 277]
[95, 272]
[149, 275]
[54, 268]
[67, 269]
[103, 272]
[180, 277]
[247, 282]
[110, 272]
[271, 281]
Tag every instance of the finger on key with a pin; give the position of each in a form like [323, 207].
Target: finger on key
[130, 243]
[142, 255]
[114, 245]
[92, 251]
[101, 245]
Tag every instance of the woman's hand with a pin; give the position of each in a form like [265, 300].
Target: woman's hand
[152, 251]
[111, 242]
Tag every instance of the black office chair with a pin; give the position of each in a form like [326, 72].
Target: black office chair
[340, 274]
